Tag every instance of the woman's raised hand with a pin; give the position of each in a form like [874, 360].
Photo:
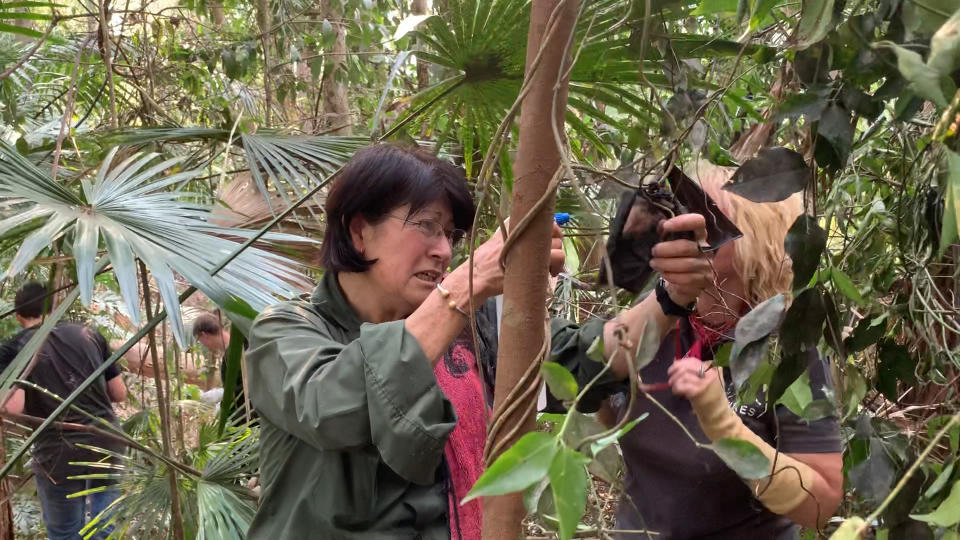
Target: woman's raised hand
[487, 272]
[682, 263]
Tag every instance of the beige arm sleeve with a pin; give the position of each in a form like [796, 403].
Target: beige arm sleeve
[790, 480]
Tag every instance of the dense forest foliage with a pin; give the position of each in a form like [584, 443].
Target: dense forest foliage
[161, 158]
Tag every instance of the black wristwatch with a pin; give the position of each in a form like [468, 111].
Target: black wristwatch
[667, 304]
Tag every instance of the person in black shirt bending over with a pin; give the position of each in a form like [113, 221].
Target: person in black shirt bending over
[67, 357]
[210, 333]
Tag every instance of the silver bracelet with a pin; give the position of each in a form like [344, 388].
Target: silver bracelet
[450, 303]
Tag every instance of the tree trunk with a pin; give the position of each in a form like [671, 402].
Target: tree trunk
[6, 494]
[24, 23]
[336, 109]
[265, 23]
[423, 67]
[525, 279]
[216, 13]
[176, 517]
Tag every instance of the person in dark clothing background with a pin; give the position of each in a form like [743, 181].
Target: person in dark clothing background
[70, 353]
[210, 333]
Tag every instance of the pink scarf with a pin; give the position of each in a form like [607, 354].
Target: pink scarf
[460, 381]
[706, 336]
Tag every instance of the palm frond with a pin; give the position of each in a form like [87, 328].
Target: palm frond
[288, 166]
[129, 206]
[483, 42]
[214, 505]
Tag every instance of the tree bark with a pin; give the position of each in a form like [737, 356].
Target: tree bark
[176, 517]
[216, 13]
[265, 23]
[6, 494]
[527, 272]
[423, 67]
[336, 108]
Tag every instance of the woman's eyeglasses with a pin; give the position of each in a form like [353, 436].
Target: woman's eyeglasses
[432, 229]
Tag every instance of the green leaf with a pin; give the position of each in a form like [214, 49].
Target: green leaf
[804, 244]
[948, 513]
[761, 321]
[816, 19]
[945, 47]
[861, 103]
[792, 365]
[596, 351]
[833, 329]
[16, 15]
[848, 530]
[721, 358]
[773, 176]
[843, 283]
[750, 337]
[868, 331]
[601, 444]
[798, 396]
[407, 25]
[761, 12]
[856, 389]
[29, 4]
[648, 346]
[819, 409]
[531, 495]
[569, 483]
[924, 17]
[872, 478]
[85, 244]
[745, 361]
[835, 133]
[950, 229]
[713, 7]
[923, 79]
[894, 365]
[803, 324]
[13, 29]
[560, 381]
[742, 457]
[809, 105]
[953, 436]
[522, 465]
[941, 481]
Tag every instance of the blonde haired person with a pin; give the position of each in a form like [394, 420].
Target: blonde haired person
[682, 491]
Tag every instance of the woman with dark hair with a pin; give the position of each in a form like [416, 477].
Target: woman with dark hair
[366, 433]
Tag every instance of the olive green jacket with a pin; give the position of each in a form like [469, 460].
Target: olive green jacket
[353, 423]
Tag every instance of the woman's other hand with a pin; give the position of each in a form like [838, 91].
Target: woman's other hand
[689, 377]
[557, 257]
[682, 263]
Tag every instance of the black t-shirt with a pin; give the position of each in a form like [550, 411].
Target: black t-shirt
[685, 492]
[69, 355]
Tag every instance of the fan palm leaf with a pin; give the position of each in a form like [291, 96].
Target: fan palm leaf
[129, 207]
[483, 44]
[213, 505]
[289, 166]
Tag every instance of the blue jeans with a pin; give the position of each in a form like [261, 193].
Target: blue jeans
[65, 517]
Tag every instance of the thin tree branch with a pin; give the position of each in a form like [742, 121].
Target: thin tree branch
[68, 113]
[36, 46]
